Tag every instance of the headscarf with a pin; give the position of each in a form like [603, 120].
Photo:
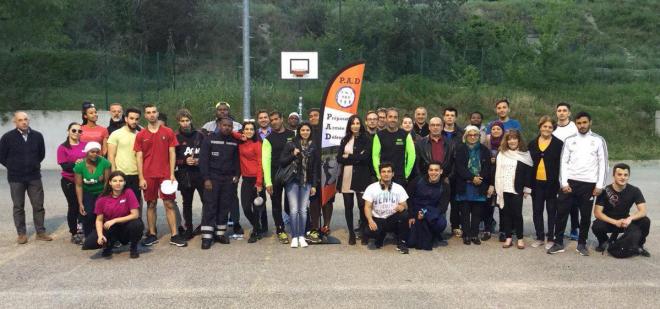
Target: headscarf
[495, 141]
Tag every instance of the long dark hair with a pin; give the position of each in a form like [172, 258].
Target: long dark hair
[349, 133]
[311, 135]
[107, 188]
[66, 143]
[256, 137]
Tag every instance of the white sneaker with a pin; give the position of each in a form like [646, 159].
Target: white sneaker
[294, 242]
[303, 242]
[538, 243]
[549, 244]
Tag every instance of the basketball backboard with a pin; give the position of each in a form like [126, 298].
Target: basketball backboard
[300, 65]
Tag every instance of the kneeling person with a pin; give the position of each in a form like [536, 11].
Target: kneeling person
[117, 218]
[429, 198]
[612, 210]
[386, 209]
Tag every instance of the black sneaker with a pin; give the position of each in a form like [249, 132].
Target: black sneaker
[601, 247]
[107, 252]
[188, 234]
[351, 239]
[150, 240]
[485, 236]
[223, 239]
[582, 249]
[178, 241]
[466, 241]
[556, 248]
[254, 236]
[206, 243]
[378, 243]
[134, 253]
[402, 248]
[643, 252]
[476, 241]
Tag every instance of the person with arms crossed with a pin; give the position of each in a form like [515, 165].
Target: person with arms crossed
[121, 154]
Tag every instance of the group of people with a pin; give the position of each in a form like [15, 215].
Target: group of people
[405, 177]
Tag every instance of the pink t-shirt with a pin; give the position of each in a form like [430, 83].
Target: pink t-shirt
[95, 134]
[155, 149]
[116, 207]
[70, 155]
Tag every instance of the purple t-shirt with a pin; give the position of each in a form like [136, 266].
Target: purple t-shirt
[116, 207]
[66, 155]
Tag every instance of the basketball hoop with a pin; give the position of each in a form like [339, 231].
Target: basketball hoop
[299, 73]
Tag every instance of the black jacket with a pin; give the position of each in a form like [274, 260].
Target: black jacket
[361, 162]
[312, 151]
[551, 159]
[218, 158]
[22, 158]
[463, 174]
[423, 151]
[189, 146]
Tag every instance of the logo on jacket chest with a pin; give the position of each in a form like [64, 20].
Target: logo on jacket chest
[191, 151]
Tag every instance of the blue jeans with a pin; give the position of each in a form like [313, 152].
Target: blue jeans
[298, 196]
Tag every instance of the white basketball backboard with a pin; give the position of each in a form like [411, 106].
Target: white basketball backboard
[300, 63]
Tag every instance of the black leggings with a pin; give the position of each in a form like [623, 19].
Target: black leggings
[127, 232]
[348, 210]
[252, 212]
[69, 190]
[511, 215]
[471, 213]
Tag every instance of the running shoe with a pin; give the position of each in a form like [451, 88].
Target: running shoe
[556, 248]
[150, 240]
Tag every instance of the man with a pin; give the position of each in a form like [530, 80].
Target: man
[316, 231]
[429, 198]
[582, 177]
[382, 118]
[116, 118]
[434, 148]
[396, 146]
[372, 123]
[270, 155]
[121, 153]
[451, 131]
[565, 128]
[314, 116]
[264, 123]
[21, 152]
[421, 128]
[156, 156]
[502, 111]
[612, 210]
[221, 111]
[386, 209]
[293, 121]
[454, 135]
[476, 119]
[220, 170]
[187, 166]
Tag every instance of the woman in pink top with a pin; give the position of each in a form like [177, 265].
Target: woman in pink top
[117, 218]
[68, 154]
[91, 131]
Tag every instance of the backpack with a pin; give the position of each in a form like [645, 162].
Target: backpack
[627, 245]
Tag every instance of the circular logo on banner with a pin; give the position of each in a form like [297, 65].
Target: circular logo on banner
[345, 96]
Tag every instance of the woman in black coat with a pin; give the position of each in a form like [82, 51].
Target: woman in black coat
[545, 150]
[355, 174]
[472, 168]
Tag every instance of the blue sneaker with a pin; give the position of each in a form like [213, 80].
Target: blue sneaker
[574, 234]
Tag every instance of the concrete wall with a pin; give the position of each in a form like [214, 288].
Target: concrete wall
[52, 124]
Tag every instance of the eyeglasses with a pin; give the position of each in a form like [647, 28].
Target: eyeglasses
[79, 131]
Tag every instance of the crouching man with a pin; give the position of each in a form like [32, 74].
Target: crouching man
[386, 209]
[612, 211]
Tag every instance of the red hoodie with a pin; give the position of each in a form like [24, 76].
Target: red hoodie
[250, 158]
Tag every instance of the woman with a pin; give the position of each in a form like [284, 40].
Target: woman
[117, 218]
[68, 154]
[407, 124]
[91, 131]
[545, 151]
[90, 175]
[493, 141]
[355, 174]
[473, 182]
[512, 183]
[250, 158]
[302, 153]
[187, 166]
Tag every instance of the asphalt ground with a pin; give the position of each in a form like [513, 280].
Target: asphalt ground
[267, 274]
